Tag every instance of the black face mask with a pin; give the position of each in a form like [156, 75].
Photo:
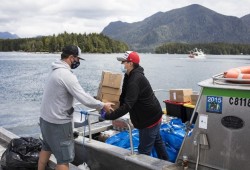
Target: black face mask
[75, 64]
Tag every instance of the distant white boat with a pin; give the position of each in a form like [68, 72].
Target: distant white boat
[196, 53]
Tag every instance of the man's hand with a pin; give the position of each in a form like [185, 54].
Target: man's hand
[108, 107]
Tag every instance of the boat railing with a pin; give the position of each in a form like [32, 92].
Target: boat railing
[220, 79]
[164, 90]
[160, 90]
[92, 112]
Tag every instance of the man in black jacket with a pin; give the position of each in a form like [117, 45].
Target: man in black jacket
[138, 99]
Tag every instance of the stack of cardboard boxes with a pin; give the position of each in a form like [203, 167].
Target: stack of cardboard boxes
[109, 91]
[110, 88]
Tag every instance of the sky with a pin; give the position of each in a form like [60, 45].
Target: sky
[30, 18]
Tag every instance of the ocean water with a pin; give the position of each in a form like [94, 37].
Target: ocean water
[23, 75]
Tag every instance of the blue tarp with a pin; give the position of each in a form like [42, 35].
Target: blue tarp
[172, 134]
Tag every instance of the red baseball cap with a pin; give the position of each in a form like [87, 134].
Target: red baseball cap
[130, 56]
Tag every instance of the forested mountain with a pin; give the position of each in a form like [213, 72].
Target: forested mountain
[191, 24]
[7, 35]
[90, 43]
[246, 20]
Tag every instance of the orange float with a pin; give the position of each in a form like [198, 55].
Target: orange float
[240, 73]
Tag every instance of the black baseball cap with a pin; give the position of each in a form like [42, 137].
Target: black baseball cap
[72, 50]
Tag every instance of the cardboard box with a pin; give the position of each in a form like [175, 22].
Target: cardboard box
[194, 98]
[107, 90]
[180, 95]
[110, 79]
[99, 93]
[110, 90]
[109, 87]
[110, 97]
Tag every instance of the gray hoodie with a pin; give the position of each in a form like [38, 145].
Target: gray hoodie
[60, 90]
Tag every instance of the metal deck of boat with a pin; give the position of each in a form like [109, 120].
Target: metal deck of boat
[105, 156]
[99, 155]
[95, 128]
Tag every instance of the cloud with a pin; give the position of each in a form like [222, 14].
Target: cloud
[45, 17]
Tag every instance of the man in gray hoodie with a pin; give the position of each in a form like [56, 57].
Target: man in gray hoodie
[61, 88]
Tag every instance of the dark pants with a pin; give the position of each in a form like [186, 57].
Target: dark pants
[149, 138]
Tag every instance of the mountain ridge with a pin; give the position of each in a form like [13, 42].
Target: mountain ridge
[190, 24]
[7, 35]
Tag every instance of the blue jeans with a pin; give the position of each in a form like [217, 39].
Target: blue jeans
[149, 138]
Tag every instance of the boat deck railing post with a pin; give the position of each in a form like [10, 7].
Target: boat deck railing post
[89, 122]
[130, 134]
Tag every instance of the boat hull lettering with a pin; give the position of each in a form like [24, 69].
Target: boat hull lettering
[239, 101]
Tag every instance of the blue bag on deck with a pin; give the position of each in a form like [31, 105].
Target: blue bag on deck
[172, 153]
[122, 139]
[172, 134]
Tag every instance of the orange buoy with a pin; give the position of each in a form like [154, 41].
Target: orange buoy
[240, 73]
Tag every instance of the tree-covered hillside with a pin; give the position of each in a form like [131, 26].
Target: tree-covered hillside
[210, 48]
[90, 43]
